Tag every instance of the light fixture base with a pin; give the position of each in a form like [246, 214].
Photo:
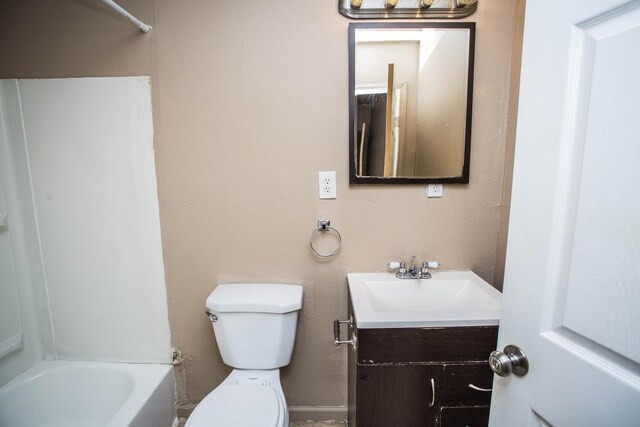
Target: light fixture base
[407, 9]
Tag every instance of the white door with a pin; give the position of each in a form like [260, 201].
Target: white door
[572, 282]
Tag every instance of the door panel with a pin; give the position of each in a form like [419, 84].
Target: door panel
[604, 268]
[572, 280]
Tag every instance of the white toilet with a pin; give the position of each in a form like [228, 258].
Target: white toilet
[255, 328]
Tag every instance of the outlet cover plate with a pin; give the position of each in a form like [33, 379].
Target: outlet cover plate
[327, 185]
[435, 190]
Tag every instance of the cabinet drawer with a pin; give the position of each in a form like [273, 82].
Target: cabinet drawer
[477, 416]
[457, 377]
[426, 345]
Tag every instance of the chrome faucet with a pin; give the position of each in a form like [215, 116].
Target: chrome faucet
[413, 272]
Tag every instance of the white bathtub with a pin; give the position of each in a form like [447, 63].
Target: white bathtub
[89, 394]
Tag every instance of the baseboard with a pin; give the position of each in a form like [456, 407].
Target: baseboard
[296, 413]
[317, 413]
[185, 409]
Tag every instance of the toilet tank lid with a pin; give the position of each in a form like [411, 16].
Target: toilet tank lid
[255, 298]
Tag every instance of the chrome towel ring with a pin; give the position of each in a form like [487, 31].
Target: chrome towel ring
[324, 226]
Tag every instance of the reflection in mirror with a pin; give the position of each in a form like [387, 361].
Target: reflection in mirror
[410, 102]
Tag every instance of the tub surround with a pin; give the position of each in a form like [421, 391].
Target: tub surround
[84, 149]
[78, 169]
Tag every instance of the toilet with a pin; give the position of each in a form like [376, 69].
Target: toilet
[255, 328]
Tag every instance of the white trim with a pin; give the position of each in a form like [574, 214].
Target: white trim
[318, 413]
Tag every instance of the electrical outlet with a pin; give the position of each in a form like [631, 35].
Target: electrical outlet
[434, 190]
[327, 184]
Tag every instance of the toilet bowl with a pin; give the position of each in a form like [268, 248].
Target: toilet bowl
[245, 398]
[255, 326]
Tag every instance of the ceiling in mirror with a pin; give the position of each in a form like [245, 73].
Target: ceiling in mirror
[410, 98]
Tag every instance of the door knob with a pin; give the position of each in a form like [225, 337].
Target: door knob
[511, 360]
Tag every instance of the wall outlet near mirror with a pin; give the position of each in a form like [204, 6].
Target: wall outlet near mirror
[435, 190]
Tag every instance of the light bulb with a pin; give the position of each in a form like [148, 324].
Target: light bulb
[390, 4]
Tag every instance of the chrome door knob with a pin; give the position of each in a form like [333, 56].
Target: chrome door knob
[511, 360]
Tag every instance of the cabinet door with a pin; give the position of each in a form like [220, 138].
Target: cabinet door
[462, 383]
[398, 395]
[476, 416]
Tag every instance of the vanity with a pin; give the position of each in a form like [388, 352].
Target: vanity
[420, 341]
[419, 349]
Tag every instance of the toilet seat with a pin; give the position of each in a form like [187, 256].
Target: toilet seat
[238, 405]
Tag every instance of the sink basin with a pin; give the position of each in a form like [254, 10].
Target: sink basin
[449, 298]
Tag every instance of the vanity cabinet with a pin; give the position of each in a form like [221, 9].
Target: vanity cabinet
[392, 372]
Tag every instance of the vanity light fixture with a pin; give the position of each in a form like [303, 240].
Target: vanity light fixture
[407, 9]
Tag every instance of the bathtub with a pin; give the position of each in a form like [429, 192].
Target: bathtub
[89, 394]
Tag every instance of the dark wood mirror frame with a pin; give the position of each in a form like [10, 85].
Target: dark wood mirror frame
[355, 179]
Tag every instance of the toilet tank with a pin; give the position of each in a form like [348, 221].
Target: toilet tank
[255, 324]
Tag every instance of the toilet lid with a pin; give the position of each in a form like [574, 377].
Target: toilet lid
[237, 406]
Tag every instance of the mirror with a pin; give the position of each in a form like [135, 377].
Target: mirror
[410, 97]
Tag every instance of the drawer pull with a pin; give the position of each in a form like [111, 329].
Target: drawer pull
[433, 393]
[473, 387]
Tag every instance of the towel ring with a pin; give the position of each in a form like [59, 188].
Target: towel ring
[324, 226]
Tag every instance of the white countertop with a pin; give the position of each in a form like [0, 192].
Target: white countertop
[449, 298]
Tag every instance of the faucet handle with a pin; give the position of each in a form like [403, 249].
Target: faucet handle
[431, 264]
[401, 266]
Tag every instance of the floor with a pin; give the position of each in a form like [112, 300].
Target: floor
[297, 423]
[316, 423]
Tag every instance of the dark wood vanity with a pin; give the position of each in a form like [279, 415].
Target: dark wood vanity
[414, 377]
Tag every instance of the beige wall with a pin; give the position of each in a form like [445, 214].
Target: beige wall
[512, 116]
[250, 102]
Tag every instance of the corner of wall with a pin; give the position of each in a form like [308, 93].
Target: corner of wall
[507, 177]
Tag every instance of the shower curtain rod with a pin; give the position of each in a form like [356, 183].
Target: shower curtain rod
[138, 23]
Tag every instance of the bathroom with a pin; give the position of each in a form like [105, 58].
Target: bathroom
[249, 102]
